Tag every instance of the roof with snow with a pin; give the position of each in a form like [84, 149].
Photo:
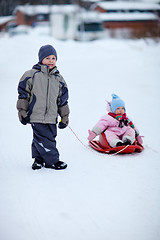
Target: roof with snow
[45, 9]
[127, 5]
[6, 19]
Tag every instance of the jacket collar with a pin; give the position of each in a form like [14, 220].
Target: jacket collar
[45, 69]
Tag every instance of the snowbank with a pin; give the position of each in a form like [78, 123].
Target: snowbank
[98, 196]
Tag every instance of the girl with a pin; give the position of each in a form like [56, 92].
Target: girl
[118, 128]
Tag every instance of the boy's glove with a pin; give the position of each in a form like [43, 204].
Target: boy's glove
[22, 114]
[62, 125]
[92, 135]
[22, 106]
[63, 122]
[64, 113]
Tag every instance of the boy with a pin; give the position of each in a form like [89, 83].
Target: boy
[43, 94]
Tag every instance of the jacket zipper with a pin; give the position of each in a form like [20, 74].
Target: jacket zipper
[47, 97]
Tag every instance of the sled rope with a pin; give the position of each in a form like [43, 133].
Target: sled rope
[87, 147]
[113, 154]
[80, 140]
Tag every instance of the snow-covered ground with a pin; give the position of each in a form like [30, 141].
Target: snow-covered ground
[98, 196]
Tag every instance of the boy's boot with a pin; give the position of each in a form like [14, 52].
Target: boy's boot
[57, 166]
[37, 164]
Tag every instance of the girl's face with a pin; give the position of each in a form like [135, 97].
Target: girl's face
[50, 61]
[120, 110]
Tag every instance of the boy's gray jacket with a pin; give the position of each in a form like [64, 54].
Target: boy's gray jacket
[43, 95]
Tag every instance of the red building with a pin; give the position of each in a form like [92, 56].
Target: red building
[140, 18]
[5, 20]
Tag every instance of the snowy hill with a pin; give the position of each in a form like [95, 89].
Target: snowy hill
[98, 196]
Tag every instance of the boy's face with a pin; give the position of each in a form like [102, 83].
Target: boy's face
[120, 110]
[50, 61]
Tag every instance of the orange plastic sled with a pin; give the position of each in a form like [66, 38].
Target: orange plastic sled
[102, 145]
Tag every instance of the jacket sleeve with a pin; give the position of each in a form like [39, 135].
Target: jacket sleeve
[24, 89]
[24, 86]
[63, 108]
[101, 125]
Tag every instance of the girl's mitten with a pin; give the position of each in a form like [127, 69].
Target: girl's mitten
[92, 135]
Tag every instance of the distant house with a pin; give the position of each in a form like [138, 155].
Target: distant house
[5, 20]
[67, 21]
[140, 18]
[31, 14]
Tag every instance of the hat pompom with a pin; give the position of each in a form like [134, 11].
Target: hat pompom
[114, 96]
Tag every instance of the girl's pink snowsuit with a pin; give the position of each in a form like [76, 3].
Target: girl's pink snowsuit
[109, 125]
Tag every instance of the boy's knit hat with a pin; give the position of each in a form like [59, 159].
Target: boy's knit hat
[45, 51]
[116, 102]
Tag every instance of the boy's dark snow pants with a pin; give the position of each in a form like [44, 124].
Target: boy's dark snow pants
[44, 144]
